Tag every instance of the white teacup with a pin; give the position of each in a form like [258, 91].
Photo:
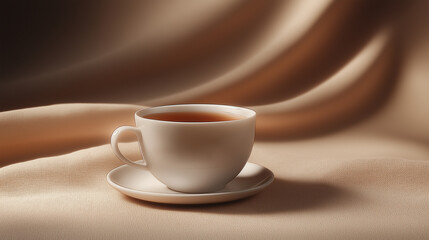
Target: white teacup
[192, 154]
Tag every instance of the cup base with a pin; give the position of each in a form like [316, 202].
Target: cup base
[197, 191]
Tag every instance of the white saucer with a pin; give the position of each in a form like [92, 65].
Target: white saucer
[141, 184]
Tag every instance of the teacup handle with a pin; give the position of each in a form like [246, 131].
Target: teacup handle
[115, 147]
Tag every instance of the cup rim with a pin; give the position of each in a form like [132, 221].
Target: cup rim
[249, 113]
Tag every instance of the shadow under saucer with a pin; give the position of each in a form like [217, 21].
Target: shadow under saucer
[281, 196]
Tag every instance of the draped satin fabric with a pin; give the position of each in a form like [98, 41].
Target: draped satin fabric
[339, 87]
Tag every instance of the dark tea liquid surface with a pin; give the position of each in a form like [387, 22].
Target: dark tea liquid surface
[192, 116]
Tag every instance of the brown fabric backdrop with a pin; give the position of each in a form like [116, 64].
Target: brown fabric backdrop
[340, 88]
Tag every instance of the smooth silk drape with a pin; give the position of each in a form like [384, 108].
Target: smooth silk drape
[339, 87]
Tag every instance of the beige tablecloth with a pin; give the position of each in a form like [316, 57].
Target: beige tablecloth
[340, 88]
